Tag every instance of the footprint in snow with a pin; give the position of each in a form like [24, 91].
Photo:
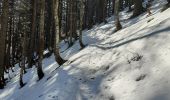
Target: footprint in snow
[141, 77]
[107, 68]
[92, 78]
[106, 87]
[40, 95]
[53, 97]
[111, 79]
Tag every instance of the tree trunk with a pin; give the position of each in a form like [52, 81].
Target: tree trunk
[113, 6]
[101, 10]
[117, 22]
[90, 13]
[81, 23]
[138, 8]
[60, 18]
[41, 40]
[56, 28]
[4, 25]
[71, 22]
[22, 70]
[31, 50]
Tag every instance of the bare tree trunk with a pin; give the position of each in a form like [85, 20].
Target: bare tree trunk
[101, 10]
[56, 28]
[113, 5]
[60, 18]
[72, 32]
[117, 22]
[138, 8]
[41, 40]
[81, 22]
[90, 13]
[74, 16]
[4, 25]
[22, 70]
[31, 50]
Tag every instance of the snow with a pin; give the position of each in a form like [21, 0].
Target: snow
[131, 64]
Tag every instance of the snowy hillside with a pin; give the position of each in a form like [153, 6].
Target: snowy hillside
[131, 64]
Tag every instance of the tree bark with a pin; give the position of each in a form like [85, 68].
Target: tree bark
[113, 6]
[22, 70]
[138, 8]
[33, 27]
[117, 22]
[41, 40]
[81, 23]
[4, 25]
[58, 58]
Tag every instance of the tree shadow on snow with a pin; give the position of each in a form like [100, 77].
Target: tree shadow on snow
[166, 29]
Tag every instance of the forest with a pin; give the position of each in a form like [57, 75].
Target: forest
[32, 31]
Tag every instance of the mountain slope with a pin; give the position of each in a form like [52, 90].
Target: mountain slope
[131, 64]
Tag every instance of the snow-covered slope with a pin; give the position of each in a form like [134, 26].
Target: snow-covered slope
[131, 64]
